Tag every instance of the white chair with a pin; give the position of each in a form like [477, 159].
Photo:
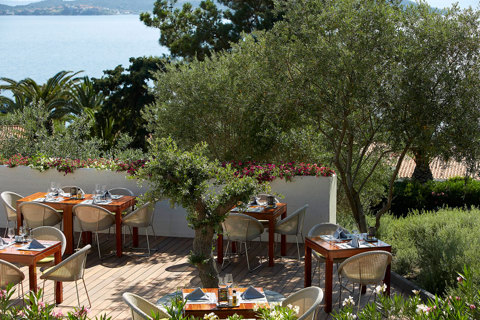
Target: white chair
[308, 300]
[9, 200]
[39, 214]
[70, 269]
[141, 218]
[141, 308]
[52, 234]
[121, 192]
[93, 218]
[293, 225]
[364, 268]
[242, 228]
[10, 274]
[319, 230]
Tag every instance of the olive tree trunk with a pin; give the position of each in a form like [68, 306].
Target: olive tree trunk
[202, 247]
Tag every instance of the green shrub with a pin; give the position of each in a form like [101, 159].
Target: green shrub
[454, 193]
[428, 246]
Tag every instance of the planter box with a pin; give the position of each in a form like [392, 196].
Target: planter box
[319, 193]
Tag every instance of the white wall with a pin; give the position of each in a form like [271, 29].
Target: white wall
[319, 193]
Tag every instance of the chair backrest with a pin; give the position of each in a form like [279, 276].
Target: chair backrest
[240, 227]
[263, 197]
[39, 214]
[142, 308]
[293, 224]
[50, 233]
[93, 218]
[121, 192]
[367, 267]
[141, 217]
[307, 300]
[9, 274]
[66, 189]
[9, 200]
[326, 228]
[70, 269]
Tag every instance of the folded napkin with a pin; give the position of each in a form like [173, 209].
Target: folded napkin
[39, 200]
[354, 243]
[252, 293]
[3, 242]
[35, 245]
[340, 234]
[116, 196]
[196, 294]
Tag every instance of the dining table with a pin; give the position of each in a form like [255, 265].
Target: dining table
[66, 204]
[266, 213]
[244, 308]
[331, 249]
[19, 253]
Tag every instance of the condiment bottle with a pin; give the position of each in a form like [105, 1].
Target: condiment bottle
[234, 298]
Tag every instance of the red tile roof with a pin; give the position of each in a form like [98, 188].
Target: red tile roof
[441, 170]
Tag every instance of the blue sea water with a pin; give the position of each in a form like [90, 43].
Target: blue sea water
[40, 46]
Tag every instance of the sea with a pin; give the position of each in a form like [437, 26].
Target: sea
[38, 47]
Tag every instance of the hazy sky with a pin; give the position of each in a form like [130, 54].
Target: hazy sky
[446, 3]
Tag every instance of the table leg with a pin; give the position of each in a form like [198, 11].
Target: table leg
[68, 229]
[271, 242]
[58, 284]
[283, 241]
[32, 276]
[220, 248]
[135, 237]
[308, 266]
[118, 231]
[328, 284]
[386, 280]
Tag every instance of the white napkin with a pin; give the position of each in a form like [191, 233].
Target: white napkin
[116, 196]
[252, 293]
[2, 242]
[196, 294]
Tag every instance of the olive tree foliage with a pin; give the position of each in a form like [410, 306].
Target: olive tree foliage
[439, 82]
[205, 188]
[230, 102]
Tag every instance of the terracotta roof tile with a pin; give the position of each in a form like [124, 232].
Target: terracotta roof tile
[441, 170]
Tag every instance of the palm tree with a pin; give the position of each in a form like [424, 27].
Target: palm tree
[55, 94]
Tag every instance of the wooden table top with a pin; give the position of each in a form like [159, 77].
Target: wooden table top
[331, 247]
[245, 309]
[123, 201]
[266, 213]
[13, 250]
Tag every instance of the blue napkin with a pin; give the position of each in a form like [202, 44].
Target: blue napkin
[340, 234]
[354, 243]
[252, 293]
[196, 294]
[35, 245]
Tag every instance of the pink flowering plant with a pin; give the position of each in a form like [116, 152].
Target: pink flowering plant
[34, 308]
[461, 304]
[266, 172]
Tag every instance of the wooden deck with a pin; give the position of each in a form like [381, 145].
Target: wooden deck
[167, 270]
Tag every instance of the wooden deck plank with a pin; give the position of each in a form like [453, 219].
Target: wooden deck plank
[167, 270]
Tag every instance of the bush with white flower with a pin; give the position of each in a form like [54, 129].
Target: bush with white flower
[462, 303]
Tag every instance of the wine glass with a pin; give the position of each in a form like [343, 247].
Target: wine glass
[22, 231]
[11, 233]
[228, 280]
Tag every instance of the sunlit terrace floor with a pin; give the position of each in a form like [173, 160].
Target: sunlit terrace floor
[167, 270]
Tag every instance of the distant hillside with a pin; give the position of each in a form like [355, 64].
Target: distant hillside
[79, 7]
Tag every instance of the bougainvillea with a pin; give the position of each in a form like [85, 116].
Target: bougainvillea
[269, 171]
[264, 172]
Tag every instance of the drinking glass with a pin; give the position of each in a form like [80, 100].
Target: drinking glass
[228, 280]
[11, 233]
[22, 231]
[49, 195]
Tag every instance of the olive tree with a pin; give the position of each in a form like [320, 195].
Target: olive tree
[206, 189]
